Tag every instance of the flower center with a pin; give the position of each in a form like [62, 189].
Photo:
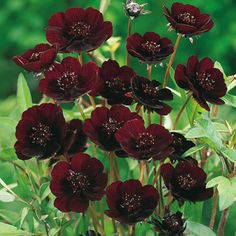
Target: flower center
[186, 182]
[78, 182]
[173, 223]
[145, 141]
[149, 90]
[67, 81]
[41, 134]
[131, 202]
[151, 46]
[187, 18]
[206, 81]
[111, 126]
[35, 56]
[116, 83]
[80, 30]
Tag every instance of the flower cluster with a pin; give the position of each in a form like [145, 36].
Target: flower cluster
[115, 127]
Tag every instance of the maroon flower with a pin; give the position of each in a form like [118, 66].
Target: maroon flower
[104, 123]
[78, 30]
[149, 48]
[77, 183]
[187, 19]
[38, 59]
[147, 93]
[180, 145]
[76, 139]
[203, 80]
[114, 82]
[129, 202]
[68, 80]
[40, 132]
[144, 143]
[186, 182]
[170, 224]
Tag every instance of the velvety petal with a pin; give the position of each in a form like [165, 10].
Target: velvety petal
[166, 172]
[60, 170]
[180, 77]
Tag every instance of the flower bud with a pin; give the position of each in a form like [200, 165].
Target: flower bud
[133, 9]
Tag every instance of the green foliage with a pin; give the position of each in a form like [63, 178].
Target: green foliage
[227, 190]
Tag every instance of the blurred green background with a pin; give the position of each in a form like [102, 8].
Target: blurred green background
[22, 24]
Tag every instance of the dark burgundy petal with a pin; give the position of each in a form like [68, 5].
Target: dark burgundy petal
[167, 173]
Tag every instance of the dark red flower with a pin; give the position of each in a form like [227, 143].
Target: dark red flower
[114, 82]
[78, 30]
[187, 19]
[104, 123]
[40, 132]
[170, 224]
[38, 59]
[68, 80]
[77, 183]
[149, 48]
[76, 139]
[203, 80]
[144, 143]
[180, 145]
[129, 202]
[186, 182]
[148, 94]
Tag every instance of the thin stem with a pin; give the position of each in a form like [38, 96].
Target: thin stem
[91, 99]
[142, 171]
[171, 61]
[132, 230]
[81, 111]
[169, 66]
[81, 58]
[223, 221]
[95, 220]
[149, 70]
[214, 208]
[112, 167]
[181, 110]
[128, 34]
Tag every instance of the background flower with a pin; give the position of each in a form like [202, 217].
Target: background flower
[38, 59]
[187, 19]
[186, 182]
[77, 183]
[203, 80]
[148, 94]
[114, 82]
[40, 132]
[149, 48]
[104, 123]
[144, 143]
[69, 80]
[78, 30]
[129, 202]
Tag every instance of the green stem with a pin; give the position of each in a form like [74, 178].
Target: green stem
[181, 110]
[128, 34]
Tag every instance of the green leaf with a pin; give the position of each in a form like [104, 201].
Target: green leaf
[194, 150]
[10, 230]
[195, 132]
[206, 129]
[44, 190]
[24, 213]
[230, 100]
[227, 190]
[229, 153]
[6, 197]
[24, 99]
[196, 229]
